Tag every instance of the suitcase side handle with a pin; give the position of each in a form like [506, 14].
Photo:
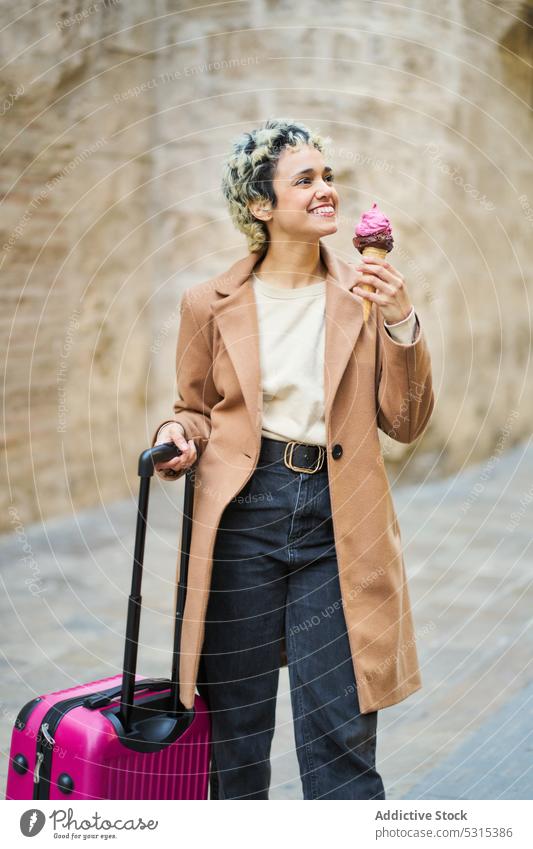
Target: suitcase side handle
[159, 453]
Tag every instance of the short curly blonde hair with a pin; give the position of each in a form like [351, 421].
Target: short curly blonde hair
[249, 171]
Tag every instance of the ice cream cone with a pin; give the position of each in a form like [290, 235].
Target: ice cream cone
[370, 251]
[372, 237]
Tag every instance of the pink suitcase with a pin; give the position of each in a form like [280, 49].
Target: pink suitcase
[125, 737]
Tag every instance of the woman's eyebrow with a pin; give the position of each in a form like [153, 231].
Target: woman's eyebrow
[327, 168]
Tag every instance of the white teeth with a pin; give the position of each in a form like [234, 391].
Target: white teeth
[323, 210]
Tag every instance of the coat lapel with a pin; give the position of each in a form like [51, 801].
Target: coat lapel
[236, 318]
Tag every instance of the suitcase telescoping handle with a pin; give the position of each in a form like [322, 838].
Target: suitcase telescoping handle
[147, 460]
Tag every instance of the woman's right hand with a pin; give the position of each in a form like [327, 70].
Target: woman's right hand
[174, 468]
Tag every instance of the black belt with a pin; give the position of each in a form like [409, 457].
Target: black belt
[298, 456]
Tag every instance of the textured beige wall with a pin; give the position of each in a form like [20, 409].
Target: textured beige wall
[115, 119]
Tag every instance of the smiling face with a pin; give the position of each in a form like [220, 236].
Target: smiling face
[307, 201]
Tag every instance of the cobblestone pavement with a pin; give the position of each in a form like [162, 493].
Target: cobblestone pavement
[467, 734]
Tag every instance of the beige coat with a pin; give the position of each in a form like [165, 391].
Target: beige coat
[371, 382]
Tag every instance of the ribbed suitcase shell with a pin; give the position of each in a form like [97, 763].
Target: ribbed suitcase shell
[89, 751]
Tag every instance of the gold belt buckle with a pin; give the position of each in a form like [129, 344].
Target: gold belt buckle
[287, 458]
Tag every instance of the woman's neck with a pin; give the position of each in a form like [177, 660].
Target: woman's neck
[291, 265]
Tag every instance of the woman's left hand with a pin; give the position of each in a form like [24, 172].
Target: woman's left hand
[391, 293]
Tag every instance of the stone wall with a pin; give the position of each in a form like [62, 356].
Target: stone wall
[116, 117]
[75, 239]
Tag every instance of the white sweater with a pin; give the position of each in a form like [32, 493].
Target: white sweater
[291, 346]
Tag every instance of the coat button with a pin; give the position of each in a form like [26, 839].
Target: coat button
[336, 451]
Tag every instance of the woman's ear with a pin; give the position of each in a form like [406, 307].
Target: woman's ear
[260, 209]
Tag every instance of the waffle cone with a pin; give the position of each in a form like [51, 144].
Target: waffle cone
[370, 251]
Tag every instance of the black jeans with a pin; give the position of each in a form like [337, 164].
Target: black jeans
[275, 572]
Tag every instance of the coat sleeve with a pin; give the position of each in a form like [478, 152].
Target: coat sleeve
[196, 392]
[404, 389]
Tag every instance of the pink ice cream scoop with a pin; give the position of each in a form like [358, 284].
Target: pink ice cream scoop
[373, 230]
[372, 237]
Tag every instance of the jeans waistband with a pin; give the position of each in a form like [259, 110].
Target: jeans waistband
[296, 456]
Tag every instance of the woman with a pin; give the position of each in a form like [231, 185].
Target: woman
[295, 545]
